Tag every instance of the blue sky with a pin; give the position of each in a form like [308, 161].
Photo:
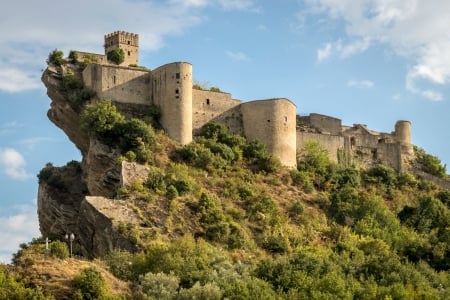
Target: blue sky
[367, 61]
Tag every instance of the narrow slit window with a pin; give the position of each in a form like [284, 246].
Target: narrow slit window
[177, 91]
[207, 101]
[129, 53]
[114, 79]
[177, 75]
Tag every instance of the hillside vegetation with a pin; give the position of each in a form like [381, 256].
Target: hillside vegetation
[221, 219]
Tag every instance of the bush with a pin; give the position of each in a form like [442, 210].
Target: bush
[159, 286]
[90, 284]
[120, 264]
[100, 118]
[56, 57]
[209, 291]
[73, 55]
[430, 163]
[59, 249]
[117, 56]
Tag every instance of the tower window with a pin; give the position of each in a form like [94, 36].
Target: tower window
[177, 91]
[207, 101]
[129, 53]
[114, 79]
[177, 75]
[129, 43]
[285, 118]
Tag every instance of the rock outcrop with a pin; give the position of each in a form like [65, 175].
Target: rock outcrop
[78, 198]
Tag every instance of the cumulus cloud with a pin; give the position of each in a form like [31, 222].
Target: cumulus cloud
[18, 227]
[363, 84]
[415, 29]
[13, 164]
[237, 56]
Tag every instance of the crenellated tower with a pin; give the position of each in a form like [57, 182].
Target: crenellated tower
[128, 42]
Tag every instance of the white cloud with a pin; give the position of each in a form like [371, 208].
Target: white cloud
[13, 164]
[19, 227]
[237, 56]
[28, 35]
[415, 29]
[324, 53]
[342, 50]
[364, 84]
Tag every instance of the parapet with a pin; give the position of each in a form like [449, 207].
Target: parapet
[122, 37]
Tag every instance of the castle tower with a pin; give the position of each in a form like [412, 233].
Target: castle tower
[171, 90]
[403, 132]
[128, 42]
[273, 122]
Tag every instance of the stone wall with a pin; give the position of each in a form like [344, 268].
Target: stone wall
[273, 122]
[321, 123]
[207, 106]
[120, 84]
[332, 143]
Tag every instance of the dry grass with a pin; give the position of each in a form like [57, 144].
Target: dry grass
[55, 275]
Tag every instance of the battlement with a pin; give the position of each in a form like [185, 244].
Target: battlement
[122, 37]
[128, 42]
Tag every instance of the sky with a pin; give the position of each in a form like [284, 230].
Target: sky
[367, 62]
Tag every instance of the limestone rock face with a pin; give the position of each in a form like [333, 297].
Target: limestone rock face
[77, 198]
[98, 221]
[60, 112]
[101, 169]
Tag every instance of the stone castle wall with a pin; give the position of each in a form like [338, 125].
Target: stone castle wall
[332, 143]
[208, 105]
[121, 84]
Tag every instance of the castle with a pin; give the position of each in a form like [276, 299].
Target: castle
[274, 122]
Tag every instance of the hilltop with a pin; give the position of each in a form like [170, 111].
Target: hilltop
[221, 217]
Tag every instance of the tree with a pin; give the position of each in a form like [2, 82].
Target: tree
[56, 57]
[117, 56]
[100, 118]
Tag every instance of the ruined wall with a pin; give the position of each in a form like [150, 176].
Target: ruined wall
[208, 106]
[273, 122]
[121, 84]
[321, 123]
[91, 57]
[332, 143]
[171, 87]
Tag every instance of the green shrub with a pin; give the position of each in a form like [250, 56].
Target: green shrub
[159, 286]
[209, 291]
[100, 119]
[59, 249]
[73, 56]
[90, 284]
[120, 264]
[171, 192]
[381, 175]
[56, 57]
[303, 179]
[117, 56]
[430, 163]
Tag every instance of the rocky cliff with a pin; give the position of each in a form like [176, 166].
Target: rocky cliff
[76, 198]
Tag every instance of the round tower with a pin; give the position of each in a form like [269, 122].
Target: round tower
[128, 42]
[403, 132]
[273, 122]
[172, 93]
